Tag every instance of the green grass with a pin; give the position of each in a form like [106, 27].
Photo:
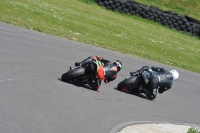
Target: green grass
[193, 130]
[92, 24]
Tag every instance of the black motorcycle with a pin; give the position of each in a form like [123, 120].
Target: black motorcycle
[83, 73]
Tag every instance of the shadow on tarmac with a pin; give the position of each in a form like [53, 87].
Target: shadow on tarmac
[141, 95]
[86, 86]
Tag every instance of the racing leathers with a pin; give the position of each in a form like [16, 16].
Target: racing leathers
[155, 78]
[107, 73]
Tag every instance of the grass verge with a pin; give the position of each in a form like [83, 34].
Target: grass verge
[193, 130]
[92, 24]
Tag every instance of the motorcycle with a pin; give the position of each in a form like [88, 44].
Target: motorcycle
[83, 73]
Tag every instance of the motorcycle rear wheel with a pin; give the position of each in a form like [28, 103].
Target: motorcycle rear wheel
[72, 74]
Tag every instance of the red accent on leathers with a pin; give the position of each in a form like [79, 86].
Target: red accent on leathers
[100, 72]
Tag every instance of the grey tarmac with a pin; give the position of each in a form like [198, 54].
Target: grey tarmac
[34, 100]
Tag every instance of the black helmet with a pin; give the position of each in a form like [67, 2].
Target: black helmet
[118, 64]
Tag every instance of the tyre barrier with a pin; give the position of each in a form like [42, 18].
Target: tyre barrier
[166, 18]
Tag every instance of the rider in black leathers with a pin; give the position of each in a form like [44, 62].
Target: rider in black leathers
[108, 74]
[156, 78]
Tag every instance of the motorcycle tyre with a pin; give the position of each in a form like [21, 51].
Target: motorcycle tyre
[126, 82]
[72, 74]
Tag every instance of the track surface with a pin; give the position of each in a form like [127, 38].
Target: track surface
[33, 100]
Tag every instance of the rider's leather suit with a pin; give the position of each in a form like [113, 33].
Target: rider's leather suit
[109, 71]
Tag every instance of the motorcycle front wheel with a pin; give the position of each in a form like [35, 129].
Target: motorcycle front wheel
[72, 74]
[127, 83]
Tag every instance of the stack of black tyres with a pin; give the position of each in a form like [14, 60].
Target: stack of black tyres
[166, 18]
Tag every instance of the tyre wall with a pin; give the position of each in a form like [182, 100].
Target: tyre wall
[166, 18]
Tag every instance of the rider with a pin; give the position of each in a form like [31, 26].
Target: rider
[107, 71]
[156, 78]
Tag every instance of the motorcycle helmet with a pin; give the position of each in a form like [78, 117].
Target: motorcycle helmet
[175, 74]
[118, 64]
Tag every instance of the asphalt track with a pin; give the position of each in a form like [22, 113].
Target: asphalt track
[34, 100]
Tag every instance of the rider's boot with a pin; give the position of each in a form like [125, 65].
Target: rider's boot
[84, 81]
[149, 96]
[93, 85]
